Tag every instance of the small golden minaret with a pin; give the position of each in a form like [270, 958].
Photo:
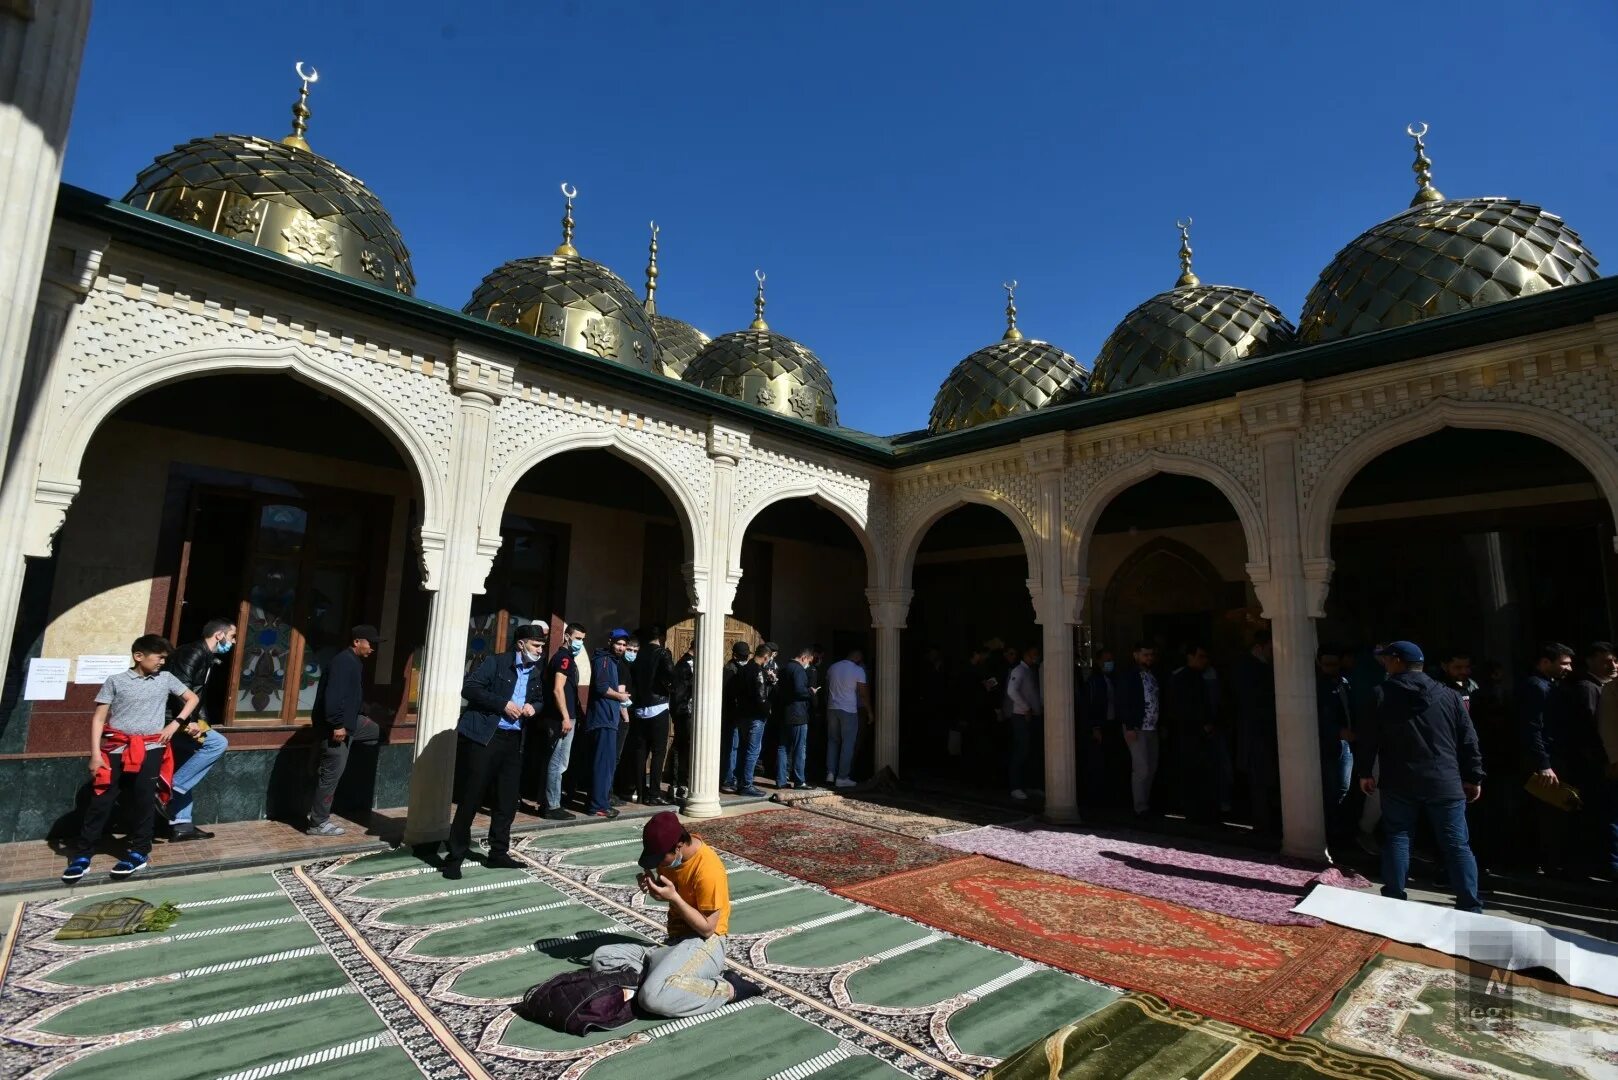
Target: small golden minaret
[300, 109]
[758, 304]
[566, 247]
[1012, 333]
[1186, 276]
[651, 274]
[1423, 168]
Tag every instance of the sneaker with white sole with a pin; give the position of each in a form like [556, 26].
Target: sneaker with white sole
[130, 865]
[325, 828]
[77, 867]
[1019, 794]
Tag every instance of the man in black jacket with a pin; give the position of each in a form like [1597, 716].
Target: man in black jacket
[1537, 702]
[752, 693]
[338, 720]
[502, 695]
[1193, 714]
[797, 695]
[193, 664]
[1430, 765]
[651, 685]
[1578, 757]
[729, 725]
[682, 702]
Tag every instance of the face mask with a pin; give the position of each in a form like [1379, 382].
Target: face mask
[530, 652]
[630, 654]
[679, 860]
[223, 647]
[577, 647]
[1107, 666]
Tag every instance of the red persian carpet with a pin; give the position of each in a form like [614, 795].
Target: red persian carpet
[1274, 979]
[825, 850]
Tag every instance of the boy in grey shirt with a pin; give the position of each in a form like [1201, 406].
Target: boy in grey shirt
[129, 745]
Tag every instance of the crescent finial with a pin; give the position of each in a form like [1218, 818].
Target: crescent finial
[566, 248]
[1410, 129]
[569, 191]
[310, 76]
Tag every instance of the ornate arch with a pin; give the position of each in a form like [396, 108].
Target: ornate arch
[1586, 447]
[68, 437]
[914, 529]
[623, 444]
[827, 495]
[1094, 502]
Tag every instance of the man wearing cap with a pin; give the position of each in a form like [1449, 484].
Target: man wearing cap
[338, 700]
[687, 976]
[608, 711]
[1430, 764]
[502, 696]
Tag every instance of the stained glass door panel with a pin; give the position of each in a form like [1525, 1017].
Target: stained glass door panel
[266, 637]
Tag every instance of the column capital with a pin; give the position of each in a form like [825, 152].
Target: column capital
[1045, 455]
[1316, 584]
[727, 445]
[481, 374]
[1274, 410]
[889, 607]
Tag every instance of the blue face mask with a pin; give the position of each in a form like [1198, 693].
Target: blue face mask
[223, 647]
[679, 860]
[1107, 666]
[577, 647]
[630, 655]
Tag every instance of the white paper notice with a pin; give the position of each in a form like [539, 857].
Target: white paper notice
[47, 680]
[93, 670]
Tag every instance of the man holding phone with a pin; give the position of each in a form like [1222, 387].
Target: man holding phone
[687, 976]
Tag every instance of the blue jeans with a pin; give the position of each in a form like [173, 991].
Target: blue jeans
[750, 740]
[1448, 820]
[603, 764]
[727, 753]
[556, 766]
[793, 747]
[842, 734]
[1024, 730]
[189, 775]
[1337, 774]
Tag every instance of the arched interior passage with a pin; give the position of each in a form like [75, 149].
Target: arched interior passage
[970, 581]
[260, 500]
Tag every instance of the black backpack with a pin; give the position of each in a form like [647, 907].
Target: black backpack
[579, 1002]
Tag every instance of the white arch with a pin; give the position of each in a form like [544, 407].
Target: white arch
[1155, 462]
[1589, 449]
[852, 515]
[65, 444]
[613, 439]
[906, 547]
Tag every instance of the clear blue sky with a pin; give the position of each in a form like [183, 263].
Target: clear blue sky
[888, 165]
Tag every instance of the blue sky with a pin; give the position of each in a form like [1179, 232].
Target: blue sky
[888, 165]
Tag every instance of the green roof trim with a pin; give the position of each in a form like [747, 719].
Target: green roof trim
[1553, 310]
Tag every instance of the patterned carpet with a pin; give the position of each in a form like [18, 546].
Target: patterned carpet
[1145, 1038]
[1274, 979]
[824, 850]
[1239, 884]
[919, 820]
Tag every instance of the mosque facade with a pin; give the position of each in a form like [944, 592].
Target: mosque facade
[562, 447]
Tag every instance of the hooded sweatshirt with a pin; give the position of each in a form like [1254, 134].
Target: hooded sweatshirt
[1424, 739]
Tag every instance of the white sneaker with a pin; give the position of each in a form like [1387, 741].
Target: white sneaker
[1019, 794]
[325, 828]
[846, 783]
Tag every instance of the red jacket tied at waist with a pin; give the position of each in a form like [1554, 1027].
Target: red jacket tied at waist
[133, 757]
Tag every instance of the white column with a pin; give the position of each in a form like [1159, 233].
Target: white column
[41, 45]
[75, 257]
[1275, 417]
[1057, 611]
[889, 610]
[458, 563]
[712, 590]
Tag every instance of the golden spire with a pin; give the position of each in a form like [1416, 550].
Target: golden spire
[1012, 333]
[1186, 276]
[566, 248]
[758, 304]
[651, 274]
[300, 109]
[1423, 168]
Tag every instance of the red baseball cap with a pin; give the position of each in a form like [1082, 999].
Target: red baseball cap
[660, 836]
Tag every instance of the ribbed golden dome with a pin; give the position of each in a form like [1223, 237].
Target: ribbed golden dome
[570, 300]
[1192, 327]
[677, 342]
[281, 196]
[763, 368]
[1439, 257]
[1014, 375]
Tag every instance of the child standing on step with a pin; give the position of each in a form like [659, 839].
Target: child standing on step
[129, 748]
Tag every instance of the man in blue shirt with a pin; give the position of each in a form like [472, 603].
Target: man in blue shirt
[609, 709]
[502, 695]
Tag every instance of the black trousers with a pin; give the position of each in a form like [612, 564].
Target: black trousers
[650, 751]
[497, 766]
[141, 787]
[678, 772]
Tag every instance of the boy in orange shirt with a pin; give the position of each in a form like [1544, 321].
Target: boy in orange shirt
[687, 976]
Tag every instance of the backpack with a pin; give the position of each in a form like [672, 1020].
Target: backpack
[579, 1002]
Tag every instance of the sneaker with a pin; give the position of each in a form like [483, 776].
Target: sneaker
[558, 814]
[846, 783]
[325, 828]
[1019, 794]
[804, 787]
[77, 867]
[609, 813]
[743, 988]
[750, 792]
[130, 865]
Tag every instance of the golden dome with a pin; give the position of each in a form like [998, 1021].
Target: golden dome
[570, 300]
[1439, 257]
[763, 368]
[677, 342]
[1013, 375]
[1192, 327]
[281, 196]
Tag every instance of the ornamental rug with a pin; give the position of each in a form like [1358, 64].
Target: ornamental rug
[1203, 876]
[1446, 1021]
[824, 850]
[919, 818]
[1145, 1038]
[1274, 979]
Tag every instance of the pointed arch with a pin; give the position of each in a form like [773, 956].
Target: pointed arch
[908, 544]
[849, 512]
